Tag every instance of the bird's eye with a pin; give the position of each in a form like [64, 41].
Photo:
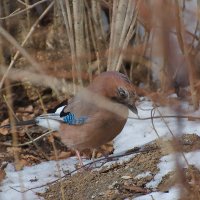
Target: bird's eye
[123, 93]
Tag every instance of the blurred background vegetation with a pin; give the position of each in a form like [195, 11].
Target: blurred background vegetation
[61, 44]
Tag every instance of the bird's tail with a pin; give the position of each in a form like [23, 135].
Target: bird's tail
[21, 123]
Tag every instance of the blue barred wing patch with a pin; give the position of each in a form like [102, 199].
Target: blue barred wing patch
[71, 119]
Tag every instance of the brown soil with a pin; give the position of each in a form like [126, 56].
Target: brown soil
[119, 182]
[115, 183]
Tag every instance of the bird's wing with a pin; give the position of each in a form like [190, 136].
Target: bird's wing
[72, 114]
[51, 121]
[61, 115]
[43, 120]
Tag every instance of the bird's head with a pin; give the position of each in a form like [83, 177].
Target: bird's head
[117, 87]
[126, 96]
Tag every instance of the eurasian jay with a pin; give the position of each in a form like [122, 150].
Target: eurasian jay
[95, 115]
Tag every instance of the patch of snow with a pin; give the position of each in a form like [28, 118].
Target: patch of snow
[21, 180]
[138, 132]
[167, 165]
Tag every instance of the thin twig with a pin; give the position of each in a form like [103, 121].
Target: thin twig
[37, 147]
[10, 108]
[154, 128]
[189, 117]
[30, 142]
[174, 137]
[16, 12]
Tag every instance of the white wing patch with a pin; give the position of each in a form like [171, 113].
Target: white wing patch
[48, 122]
[60, 109]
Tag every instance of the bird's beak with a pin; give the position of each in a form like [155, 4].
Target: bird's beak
[133, 108]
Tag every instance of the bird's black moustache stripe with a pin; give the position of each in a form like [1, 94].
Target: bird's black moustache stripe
[63, 113]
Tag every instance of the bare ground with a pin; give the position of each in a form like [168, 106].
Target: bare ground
[119, 182]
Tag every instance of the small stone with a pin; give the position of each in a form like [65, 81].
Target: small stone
[110, 187]
[126, 177]
[101, 193]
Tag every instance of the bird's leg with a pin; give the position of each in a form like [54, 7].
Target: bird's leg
[79, 158]
[81, 161]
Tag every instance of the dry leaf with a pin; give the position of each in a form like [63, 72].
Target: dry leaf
[13, 150]
[28, 109]
[30, 159]
[50, 138]
[20, 164]
[27, 117]
[56, 134]
[2, 175]
[21, 132]
[62, 155]
[2, 171]
[135, 189]
[4, 131]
